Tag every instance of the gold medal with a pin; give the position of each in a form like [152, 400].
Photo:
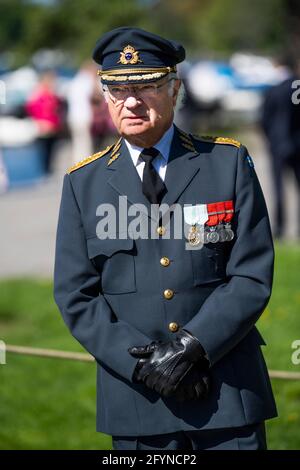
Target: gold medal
[194, 236]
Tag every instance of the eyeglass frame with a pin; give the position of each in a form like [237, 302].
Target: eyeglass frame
[117, 102]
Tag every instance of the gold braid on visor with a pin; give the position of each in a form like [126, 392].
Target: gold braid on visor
[135, 74]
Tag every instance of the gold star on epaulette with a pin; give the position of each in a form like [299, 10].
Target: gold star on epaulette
[218, 140]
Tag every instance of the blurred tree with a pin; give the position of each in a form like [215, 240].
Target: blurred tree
[74, 25]
[227, 25]
[204, 26]
[232, 25]
[12, 14]
[292, 24]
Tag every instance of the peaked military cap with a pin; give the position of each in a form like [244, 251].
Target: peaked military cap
[133, 55]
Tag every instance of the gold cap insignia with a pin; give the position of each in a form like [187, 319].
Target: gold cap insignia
[129, 56]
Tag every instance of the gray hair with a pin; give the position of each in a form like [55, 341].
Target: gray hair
[181, 93]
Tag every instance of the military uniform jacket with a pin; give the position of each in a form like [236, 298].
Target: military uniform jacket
[112, 292]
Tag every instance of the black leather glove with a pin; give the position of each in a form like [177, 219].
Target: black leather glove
[194, 386]
[163, 366]
[143, 353]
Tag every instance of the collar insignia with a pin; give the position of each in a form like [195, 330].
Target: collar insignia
[115, 153]
[186, 141]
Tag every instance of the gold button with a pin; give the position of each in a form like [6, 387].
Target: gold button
[168, 294]
[173, 326]
[161, 230]
[164, 261]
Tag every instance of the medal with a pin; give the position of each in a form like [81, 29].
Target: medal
[229, 215]
[194, 236]
[214, 212]
[195, 216]
[222, 233]
[213, 236]
[209, 223]
[229, 232]
[206, 231]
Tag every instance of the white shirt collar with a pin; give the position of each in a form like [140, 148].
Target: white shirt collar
[163, 146]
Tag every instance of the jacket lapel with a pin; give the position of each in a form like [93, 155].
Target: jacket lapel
[181, 169]
[126, 181]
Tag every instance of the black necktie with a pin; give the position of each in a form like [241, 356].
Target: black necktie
[153, 186]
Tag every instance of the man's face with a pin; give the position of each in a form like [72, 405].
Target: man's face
[145, 113]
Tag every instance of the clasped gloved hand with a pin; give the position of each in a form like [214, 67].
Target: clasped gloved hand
[164, 366]
[194, 386]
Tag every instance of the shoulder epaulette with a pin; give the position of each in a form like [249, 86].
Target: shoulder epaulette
[218, 140]
[90, 159]
[95, 156]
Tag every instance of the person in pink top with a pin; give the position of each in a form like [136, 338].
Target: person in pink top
[44, 107]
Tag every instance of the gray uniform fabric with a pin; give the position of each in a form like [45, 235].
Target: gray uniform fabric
[110, 292]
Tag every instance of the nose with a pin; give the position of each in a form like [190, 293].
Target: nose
[131, 102]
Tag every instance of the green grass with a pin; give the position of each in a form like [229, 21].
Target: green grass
[51, 404]
[280, 326]
[44, 403]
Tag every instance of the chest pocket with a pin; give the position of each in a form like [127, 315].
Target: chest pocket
[114, 260]
[209, 263]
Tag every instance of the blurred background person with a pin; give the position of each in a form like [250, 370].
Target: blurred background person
[102, 127]
[44, 106]
[3, 177]
[281, 125]
[80, 112]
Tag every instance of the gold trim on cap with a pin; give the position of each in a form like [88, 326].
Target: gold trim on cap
[123, 78]
[122, 75]
[121, 71]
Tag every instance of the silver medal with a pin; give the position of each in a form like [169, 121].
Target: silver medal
[222, 233]
[205, 235]
[229, 232]
[213, 236]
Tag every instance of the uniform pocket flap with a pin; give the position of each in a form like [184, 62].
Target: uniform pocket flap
[108, 247]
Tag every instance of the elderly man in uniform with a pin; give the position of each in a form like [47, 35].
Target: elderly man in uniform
[169, 319]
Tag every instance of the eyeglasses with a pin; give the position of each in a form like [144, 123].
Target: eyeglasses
[118, 94]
